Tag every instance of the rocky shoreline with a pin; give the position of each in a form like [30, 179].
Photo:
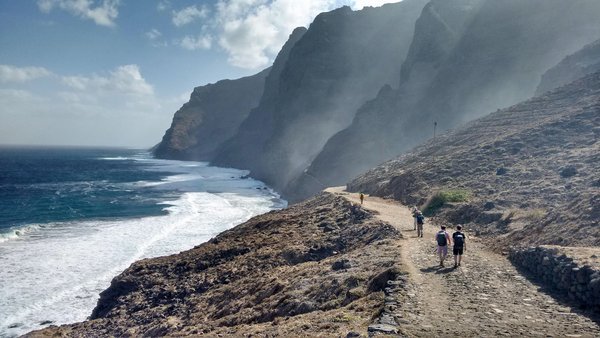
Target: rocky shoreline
[318, 268]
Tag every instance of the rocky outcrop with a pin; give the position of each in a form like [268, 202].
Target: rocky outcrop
[529, 172]
[467, 58]
[313, 269]
[571, 68]
[341, 61]
[558, 270]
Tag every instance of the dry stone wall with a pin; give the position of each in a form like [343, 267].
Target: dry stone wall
[581, 283]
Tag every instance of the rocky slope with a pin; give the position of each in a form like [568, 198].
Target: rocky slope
[528, 174]
[341, 61]
[491, 56]
[571, 68]
[314, 269]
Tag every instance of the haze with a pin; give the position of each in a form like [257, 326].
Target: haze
[113, 72]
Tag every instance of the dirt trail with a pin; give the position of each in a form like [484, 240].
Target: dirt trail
[485, 297]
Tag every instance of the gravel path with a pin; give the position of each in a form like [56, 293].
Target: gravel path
[485, 297]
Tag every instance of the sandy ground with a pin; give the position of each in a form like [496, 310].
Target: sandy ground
[485, 297]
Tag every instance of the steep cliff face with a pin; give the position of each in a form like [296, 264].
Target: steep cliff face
[215, 111]
[341, 61]
[571, 68]
[243, 148]
[497, 60]
[529, 173]
[212, 115]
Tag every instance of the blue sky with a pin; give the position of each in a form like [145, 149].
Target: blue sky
[113, 72]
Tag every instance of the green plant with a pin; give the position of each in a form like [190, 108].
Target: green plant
[443, 197]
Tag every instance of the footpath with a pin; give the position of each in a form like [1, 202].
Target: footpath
[485, 297]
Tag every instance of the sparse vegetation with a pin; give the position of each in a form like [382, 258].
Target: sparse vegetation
[446, 196]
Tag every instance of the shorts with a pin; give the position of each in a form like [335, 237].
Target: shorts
[457, 250]
[442, 249]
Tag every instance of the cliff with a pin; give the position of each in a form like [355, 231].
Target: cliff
[528, 174]
[210, 117]
[216, 111]
[341, 61]
[467, 58]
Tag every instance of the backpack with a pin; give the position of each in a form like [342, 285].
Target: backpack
[420, 219]
[441, 238]
[459, 239]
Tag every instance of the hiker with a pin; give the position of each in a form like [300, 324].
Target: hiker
[460, 245]
[415, 211]
[362, 198]
[420, 220]
[443, 240]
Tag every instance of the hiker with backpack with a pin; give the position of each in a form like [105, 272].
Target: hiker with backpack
[443, 240]
[420, 220]
[414, 211]
[460, 245]
[362, 197]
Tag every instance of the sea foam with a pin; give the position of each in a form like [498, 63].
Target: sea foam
[53, 274]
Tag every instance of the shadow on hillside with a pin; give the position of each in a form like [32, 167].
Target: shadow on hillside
[561, 297]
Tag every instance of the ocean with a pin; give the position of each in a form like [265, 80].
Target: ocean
[73, 218]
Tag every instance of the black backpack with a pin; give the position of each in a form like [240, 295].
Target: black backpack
[420, 219]
[441, 238]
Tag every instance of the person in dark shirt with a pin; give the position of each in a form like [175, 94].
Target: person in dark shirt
[460, 245]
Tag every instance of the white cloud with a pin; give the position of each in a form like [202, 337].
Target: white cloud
[194, 43]
[188, 15]
[117, 107]
[252, 31]
[163, 5]
[10, 73]
[125, 80]
[102, 12]
[153, 34]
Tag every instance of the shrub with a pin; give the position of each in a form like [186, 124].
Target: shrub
[446, 196]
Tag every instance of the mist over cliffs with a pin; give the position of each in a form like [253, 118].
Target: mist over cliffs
[360, 87]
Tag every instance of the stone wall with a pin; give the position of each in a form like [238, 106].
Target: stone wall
[580, 283]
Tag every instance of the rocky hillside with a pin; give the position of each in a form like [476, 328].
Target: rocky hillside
[315, 269]
[571, 68]
[467, 58]
[341, 61]
[528, 174]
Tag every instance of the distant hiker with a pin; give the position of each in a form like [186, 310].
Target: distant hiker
[420, 219]
[415, 211]
[460, 245]
[443, 240]
[362, 198]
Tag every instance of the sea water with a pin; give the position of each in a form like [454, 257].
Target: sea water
[71, 219]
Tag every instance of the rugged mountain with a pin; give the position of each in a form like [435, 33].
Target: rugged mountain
[216, 111]
[265, 277]
[210, 117]
[467, 58]
[571, 68]
[528, 174]
[341, 61]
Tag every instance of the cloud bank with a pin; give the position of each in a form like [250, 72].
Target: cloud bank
[10, 73]
[103, 12]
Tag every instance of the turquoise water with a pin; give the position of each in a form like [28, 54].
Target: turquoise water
[73, 218]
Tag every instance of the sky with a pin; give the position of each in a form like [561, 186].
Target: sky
[113, 72]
